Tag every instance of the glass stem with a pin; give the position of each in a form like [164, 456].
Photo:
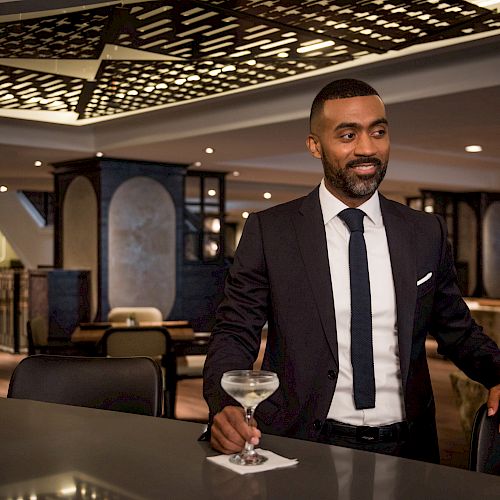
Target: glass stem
[248, 417]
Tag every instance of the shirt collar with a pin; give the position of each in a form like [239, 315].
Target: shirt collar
[332, 206]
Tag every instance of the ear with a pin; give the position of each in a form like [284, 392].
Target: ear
[313, 145]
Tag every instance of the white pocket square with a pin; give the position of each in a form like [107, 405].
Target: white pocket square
[424, 279]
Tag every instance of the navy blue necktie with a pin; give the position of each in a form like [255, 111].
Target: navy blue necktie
[361, 312]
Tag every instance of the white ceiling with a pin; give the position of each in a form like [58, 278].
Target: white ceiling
[439, 97]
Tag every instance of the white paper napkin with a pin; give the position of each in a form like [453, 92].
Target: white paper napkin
[273, 461]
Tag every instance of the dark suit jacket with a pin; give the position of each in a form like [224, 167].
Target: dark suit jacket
[281, 275]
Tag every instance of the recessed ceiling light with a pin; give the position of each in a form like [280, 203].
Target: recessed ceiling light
[209, 150]
[212, 192]
[197, 164]
[245, 215]
[99, 154]
[38, 163]
[236, 173]
[283, 54]
[3, 189]
[267, 195]
[473, 148]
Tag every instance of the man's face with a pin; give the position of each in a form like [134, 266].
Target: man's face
[351, 138]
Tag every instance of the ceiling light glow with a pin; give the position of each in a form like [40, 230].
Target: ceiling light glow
[473, 148]
[3, 189]
[180, 81]
[38, 163]
[267, 195]
[211, 192]
[209, 150]
[315, 46]
[245, 215]
[229, 68]
[197, 164]
[99, 154]
[236, 173]
[161, 86]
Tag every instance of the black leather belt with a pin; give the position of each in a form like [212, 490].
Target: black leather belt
[365, 434]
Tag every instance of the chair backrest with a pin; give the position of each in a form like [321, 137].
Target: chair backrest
[131, 385]
[38, 333]
[153, 341]
[485, 442]
[120, 314]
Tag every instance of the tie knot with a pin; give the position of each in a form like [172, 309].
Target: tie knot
[353, 217]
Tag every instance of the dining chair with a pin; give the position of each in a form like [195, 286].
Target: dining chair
[485, 442]
[131, 385]
[37, 332]
[148, 314]
[151, 341]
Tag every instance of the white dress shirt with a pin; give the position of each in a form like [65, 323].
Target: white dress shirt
[389, 407]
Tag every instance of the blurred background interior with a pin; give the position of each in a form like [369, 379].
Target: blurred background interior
[137, 136]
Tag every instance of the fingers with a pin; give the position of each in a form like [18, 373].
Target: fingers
[493, 398]
[230, 431]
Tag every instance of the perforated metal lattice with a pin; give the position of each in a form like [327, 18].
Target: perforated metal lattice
[32, 90]
[215, 46]
[127, 85]
[375, 24]
[71, 36]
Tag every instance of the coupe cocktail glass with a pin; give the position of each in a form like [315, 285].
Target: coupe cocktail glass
[249, 388]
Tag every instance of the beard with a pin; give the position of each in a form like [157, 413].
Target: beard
[349, 182]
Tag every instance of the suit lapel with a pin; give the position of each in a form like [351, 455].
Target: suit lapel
[400, 236]
[310, 231]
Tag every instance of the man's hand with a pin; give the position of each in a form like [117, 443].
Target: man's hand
[493, 398]
[229, 430]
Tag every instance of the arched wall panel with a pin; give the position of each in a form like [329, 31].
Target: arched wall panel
[491, 250]
[142, 246]
[80, 230]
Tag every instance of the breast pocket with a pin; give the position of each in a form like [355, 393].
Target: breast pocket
[425, 284]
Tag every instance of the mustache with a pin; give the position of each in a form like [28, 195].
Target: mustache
[365, 159]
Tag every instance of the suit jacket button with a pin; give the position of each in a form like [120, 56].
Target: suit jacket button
[317, 425]
[331, 374]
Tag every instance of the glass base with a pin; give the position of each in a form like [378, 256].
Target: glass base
[248, 458]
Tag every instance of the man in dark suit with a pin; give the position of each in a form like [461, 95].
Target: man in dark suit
[291, 269]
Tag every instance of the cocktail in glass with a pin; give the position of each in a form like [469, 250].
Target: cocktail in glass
[249, 388]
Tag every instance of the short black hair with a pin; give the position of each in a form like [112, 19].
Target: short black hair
[340, 89]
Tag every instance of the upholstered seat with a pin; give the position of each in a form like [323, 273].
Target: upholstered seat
[485, 443]
[131, 385]
[147, 314]
[154, 342]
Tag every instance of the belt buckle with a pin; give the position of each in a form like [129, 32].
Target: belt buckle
[367, 434]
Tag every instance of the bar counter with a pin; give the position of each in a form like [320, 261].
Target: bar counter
[75, 452]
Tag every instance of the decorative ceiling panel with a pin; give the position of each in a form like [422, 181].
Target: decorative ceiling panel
[212, 46]
[375, 24]
[71, 36]
[136, 85]
[37, 91]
